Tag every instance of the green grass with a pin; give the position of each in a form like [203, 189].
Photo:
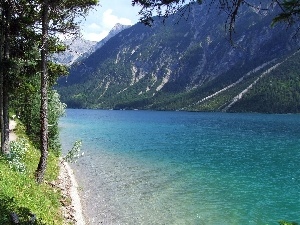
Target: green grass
[20, 193]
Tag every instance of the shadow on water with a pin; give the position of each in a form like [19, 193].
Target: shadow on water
[12, 214]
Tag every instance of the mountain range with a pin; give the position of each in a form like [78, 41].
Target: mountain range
[189, 62]
[78, 48]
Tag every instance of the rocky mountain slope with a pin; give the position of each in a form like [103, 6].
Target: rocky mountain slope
[79, 48]
[114, 31]
[186, 63]
[76, 48]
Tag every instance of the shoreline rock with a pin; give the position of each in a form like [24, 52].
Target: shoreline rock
[71, 205]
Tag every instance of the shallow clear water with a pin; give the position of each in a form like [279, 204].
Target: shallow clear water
[147, 167]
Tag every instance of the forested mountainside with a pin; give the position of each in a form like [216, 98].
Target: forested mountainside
[189, 63]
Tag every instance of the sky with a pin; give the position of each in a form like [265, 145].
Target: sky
[102, 19]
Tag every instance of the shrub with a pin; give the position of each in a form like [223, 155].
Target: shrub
[74, 153]
[16, 155]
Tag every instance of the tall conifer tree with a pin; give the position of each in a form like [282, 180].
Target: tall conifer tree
[61, 15]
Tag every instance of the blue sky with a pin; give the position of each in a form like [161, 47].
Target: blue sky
[109, 12]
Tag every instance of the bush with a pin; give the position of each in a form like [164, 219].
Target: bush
[16, 155]
[74, 153]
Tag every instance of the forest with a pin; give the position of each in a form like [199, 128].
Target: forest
[28, 37]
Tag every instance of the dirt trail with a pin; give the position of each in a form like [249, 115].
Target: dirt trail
[12, 126]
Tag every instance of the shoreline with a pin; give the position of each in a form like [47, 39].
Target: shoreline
[71, 207]
[72, 211]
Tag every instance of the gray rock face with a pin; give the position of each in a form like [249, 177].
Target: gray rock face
[76, 48]
[79, 48]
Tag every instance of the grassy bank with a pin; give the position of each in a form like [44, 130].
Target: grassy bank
[20, 193]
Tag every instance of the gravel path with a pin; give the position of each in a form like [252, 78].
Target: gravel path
[12, 126]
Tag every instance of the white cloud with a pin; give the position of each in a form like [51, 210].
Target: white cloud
[125, 21]
[94, 27]
[94, 36]
[97, 30]
[109, 20]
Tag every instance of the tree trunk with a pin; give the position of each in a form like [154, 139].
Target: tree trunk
[5, 81]
[1, 79]
[40, 172]
[5, 147]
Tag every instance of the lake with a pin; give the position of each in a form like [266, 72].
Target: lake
[152, 167]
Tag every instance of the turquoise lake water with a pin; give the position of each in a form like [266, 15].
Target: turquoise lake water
[148, 167]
